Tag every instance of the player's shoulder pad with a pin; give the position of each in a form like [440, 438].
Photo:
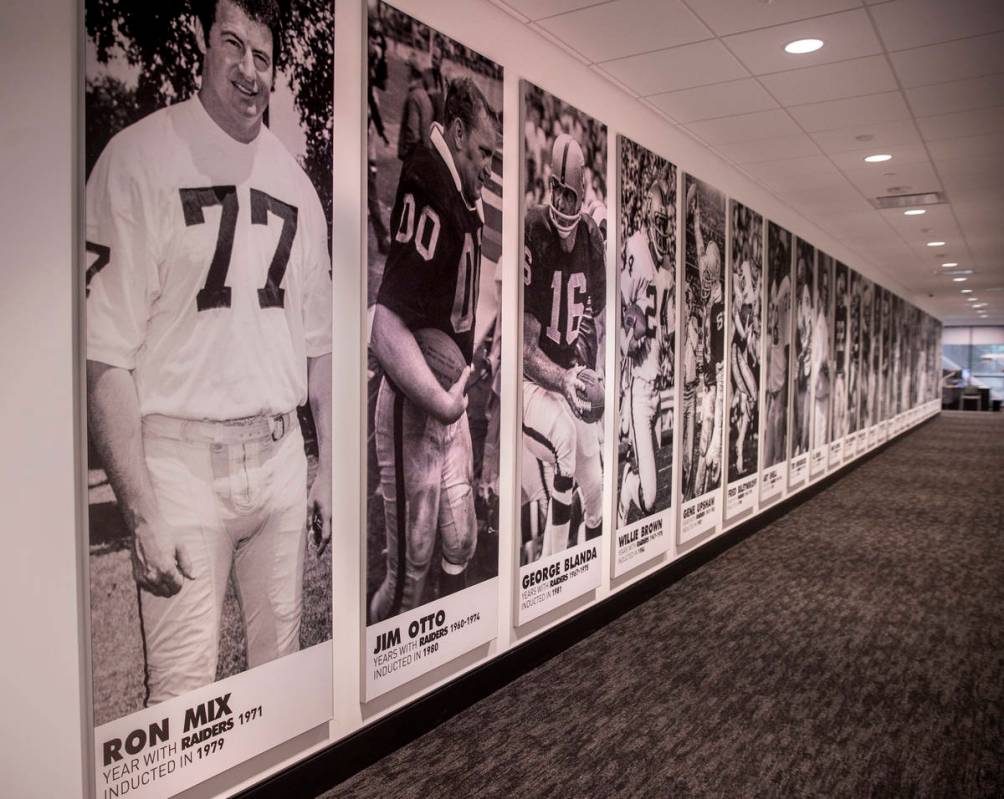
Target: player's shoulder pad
[425, 175]
[142, 142]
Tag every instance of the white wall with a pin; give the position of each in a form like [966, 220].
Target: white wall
[43, 693]
[40, 670]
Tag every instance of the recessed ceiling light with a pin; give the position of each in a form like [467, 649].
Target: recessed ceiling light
[935, 244]
[960, 279]
[949, 264]
[914, 212]
[801, 46]
[967, 291]
[972, 299]
[980, 305]
[877, 158]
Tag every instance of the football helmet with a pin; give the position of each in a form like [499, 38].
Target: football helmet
[711, 269]
[567, 187]
[658, 219]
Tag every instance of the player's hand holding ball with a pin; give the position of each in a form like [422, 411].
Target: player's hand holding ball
[572, 388]
[443, 357]
[636, 326]
[159, 565]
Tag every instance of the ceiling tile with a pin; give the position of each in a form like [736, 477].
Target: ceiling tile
[721, 99]
[836, 114]
[968, 147]
[901, 154]
[915, 23]
[745, 127]
[847, 35]
[677, 68]
[732, 16]
[962, 123]
[627, 27]
[885, 135]
[751, 152]
[538, 9]
[907, 179]
[808, 166]
[969, 58]
[960, 95]
[831, 81]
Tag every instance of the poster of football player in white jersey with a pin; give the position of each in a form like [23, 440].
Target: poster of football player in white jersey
[838, 407]
[864, 374]
[207, 273]
[778, 302]
[853, 363]
[646, 339]
[702, 353]
[563, 360]
[821, 381]
[884, 300]
[801, 408]
[434, 381]
[744, 325]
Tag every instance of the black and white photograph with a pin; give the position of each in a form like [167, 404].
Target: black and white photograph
[896, 384]
[745, 304]
[865, 370]
[801, 411]
[434, 203]
[885, 387]
[209, 360]
[853, 361]
[821, 380]
[703, 358]
[874, 372]
[564, 328]
[777, 348]
[646, 350]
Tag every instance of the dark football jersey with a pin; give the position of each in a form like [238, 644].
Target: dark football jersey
[840, 337]
[716, 329]
[562, 288]
[432, 272]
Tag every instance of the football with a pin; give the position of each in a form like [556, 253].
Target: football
[441, 354]
[591, 392]
[635, 322]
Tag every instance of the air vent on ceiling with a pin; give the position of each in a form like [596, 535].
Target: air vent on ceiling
[909, 200]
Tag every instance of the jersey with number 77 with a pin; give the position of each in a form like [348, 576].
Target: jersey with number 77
[208, 274]
[434, 265]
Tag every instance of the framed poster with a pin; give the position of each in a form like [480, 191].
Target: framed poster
[841, 314]
[564, 336]
[885, 384]
[646, 350]
[433, 247]
[209, 361]
[801, 410]
[703, 362]
[821, 380]
[745, 335]
[865, 402]
[777, 346]
[853, 364]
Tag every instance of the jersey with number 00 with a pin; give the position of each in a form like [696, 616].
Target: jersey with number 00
[208, 274]
[561, 288]
[433, 269]
[651, 289]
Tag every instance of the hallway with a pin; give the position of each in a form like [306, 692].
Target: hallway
[854, 647]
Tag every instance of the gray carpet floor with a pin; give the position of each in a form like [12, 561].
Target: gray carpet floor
[853, 648]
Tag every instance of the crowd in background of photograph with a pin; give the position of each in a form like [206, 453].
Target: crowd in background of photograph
[546, 118]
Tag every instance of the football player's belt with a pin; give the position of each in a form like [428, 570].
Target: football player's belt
[228, 431]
